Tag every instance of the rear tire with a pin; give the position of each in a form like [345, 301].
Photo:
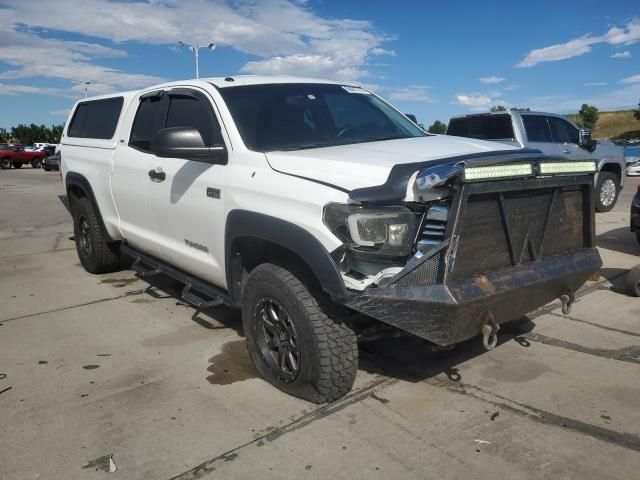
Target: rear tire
[633, 281]
[36, 163]
[607, 190]
[5, 163]
[284, 311]
[17, 165]
[95, 253]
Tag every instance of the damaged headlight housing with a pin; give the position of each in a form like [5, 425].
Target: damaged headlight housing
[386, 231]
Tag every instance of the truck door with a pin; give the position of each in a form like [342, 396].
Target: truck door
[188, 200]
[130, 183]
[565, 137]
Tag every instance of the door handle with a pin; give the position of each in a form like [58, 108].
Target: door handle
[566, 151]
[157, 175]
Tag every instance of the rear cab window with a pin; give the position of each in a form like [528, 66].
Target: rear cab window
[96, 119]
[482, 127]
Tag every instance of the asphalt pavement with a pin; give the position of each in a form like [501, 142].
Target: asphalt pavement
[99, 375]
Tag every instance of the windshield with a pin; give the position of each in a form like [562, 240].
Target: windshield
[297, 116]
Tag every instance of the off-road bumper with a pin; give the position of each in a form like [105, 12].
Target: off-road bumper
[449, 314]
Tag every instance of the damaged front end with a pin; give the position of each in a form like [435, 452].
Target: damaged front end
[470, 244]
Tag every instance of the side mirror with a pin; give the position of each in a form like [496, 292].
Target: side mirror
[411, 117]
[584, 139]
[186, 142]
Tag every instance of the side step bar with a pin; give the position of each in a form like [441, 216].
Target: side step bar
[197, 292]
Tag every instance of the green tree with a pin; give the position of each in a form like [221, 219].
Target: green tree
[587, 116]
[498, 108]
[4, 135]
[437, 127]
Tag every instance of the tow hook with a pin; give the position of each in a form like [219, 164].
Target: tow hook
[567, 300]
[490, 330]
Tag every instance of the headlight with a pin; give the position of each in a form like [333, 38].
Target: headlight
[383, 231]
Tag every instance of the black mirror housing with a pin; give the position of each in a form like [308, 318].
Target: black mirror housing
[585, 140]
[186, 142]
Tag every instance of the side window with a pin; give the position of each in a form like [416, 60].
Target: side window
[146, 123]
[96, 119]
[537, 128]
[562, 131]
[195, 112]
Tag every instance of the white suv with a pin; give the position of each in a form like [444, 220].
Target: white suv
[323, 213]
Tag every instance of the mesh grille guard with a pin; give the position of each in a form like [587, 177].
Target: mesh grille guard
[498, 225]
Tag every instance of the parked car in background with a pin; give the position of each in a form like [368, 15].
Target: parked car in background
[52, 162]
[632, 158]
[50, 149]
[635, 214]
[553, 135]
[16, 155]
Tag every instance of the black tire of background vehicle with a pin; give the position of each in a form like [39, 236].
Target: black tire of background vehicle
[328, 360]
[638, 237]
[602, 177]
[17, 165]
[46, 169]
[5, 163]
[36, 163]
[632, 281]
[102, 256]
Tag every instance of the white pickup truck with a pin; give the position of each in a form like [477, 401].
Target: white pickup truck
[324, 214]
[554, 135]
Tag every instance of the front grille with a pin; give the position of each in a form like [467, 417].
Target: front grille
[500, 230]
[434, 227]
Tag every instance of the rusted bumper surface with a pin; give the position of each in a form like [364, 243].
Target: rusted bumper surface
[449, 314]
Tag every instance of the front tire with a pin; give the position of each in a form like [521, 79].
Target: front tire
[633, 281]
[296, 337]
[5, 163]
[95, 253]
[36, 163]
[607, 190]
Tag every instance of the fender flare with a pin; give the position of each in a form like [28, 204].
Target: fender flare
[79, 180]
[243, 223]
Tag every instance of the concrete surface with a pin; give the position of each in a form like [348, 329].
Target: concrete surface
[97, 369]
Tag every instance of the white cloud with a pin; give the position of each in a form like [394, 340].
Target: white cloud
[412, 93]
[625, 54]
[560, 51]
[579, 46]
[287, 37]
[492, 79]
[14, 89]
[595, 84]
[63, 112]
[632, 79]
[475, 102]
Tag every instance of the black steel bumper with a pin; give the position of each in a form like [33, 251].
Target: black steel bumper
[451, 313]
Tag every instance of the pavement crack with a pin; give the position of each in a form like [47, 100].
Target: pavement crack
[603, 327]
[71, 307]
[319, 413]
[621, 439]
[629, 354]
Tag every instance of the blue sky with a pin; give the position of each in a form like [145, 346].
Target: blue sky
[433, 59]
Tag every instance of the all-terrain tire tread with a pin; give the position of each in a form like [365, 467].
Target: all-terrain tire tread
[105, 256]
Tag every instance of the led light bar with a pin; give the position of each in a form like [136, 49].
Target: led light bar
[508, 170]
[567, 167]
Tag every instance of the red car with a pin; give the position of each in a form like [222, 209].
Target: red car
[16, 156]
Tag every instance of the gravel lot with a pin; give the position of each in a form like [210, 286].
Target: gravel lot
[95, 367]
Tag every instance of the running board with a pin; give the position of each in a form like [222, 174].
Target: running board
[199, 293]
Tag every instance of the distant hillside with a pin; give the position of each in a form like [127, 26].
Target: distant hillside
[614, 125]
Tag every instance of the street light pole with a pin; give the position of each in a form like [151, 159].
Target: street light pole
[85, 85]
[195, 49]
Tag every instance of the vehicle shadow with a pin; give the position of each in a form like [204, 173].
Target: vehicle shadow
[404, 356]
[616, 277]
[619, 240]
[412, 359]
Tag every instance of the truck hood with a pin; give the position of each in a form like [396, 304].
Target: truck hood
[367, 164]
